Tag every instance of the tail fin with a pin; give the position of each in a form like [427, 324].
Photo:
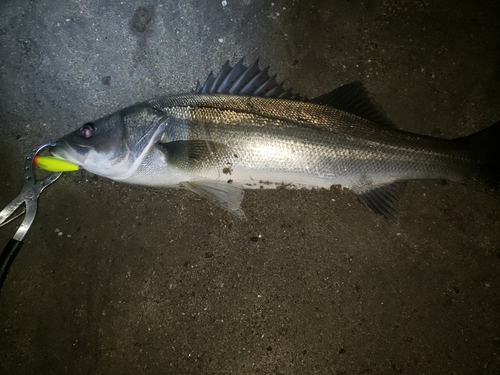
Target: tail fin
[485, 147]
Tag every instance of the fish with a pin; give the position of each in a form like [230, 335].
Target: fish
[242, 130]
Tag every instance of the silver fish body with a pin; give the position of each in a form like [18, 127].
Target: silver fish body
[269, 142]
[219, 144]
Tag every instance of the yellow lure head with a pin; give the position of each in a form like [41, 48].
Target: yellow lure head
[52, 164]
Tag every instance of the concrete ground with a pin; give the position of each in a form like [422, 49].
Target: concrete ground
[114, 279]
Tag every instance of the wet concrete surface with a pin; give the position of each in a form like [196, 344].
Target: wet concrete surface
[125, 280]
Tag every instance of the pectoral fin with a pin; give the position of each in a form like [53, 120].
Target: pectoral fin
[196, 154]
[226, 195]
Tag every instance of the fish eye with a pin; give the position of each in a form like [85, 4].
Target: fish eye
[87, 130]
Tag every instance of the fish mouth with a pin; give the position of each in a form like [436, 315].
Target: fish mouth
[76, 154]
[87, 158]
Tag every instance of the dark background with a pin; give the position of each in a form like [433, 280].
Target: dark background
[120, 279]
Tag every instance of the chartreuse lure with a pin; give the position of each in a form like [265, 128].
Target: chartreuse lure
[52, 164]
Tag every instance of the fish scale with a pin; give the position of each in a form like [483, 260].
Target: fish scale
[337, 144]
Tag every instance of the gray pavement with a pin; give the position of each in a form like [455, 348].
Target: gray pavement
[115, 279]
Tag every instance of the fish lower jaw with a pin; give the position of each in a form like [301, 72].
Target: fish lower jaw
[113, 174]
[60, 152]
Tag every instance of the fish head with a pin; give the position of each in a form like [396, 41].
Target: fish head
[112, 146]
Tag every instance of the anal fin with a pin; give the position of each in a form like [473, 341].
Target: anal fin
[383, 200]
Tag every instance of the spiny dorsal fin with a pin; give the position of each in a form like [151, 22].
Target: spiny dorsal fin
[242, 80]
[354, 98]
[383, 200]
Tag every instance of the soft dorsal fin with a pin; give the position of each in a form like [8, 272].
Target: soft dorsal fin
[242, 80]
[354, 98]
